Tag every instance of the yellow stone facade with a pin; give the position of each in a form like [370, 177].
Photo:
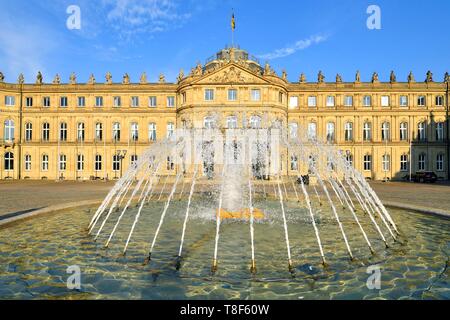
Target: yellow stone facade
[42, 135]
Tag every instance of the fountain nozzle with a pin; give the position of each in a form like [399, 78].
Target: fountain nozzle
[253, 267]
[178, 263]
[148, 259]
[214, 266]
[290, 267]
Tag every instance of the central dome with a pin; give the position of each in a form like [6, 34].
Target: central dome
[233, 54]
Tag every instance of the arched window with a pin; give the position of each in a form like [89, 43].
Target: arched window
[209, 123]
[293, 130]
[312, 130]
[348, 131]
[255, 122]
[45, 131]
[134, 131]
[80, 131]
[349, 158]
[9, 130]
[116, 131]
[404, 131]
[439, 131]
[98, 162]
[330, 132]
[63, 131]
[116, 163]
[421, 131]
[44, 163]
[294, 162]
[232, 122]
[385, 131]
[98, 131]
[27, 162]
[386, 162]
[152, 131]
[9, 161]
[422, 162]
[440, 162]
[170, 130]
[404, 162]
[367, 131]
[62, 162]
[80, 162]
[367, 162]
[28, 131]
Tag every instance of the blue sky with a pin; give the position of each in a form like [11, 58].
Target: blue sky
[162, 36]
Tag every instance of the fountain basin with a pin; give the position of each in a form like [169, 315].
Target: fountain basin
[35, 255]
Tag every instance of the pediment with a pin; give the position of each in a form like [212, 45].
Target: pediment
[231, 74]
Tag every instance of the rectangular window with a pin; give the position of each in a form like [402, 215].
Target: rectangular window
[439, 101]
[312, 101]
[367, 101]
[385, 101]
[46, 102]
[135, 102]
[209, 95]
[183, 97]
[367, 162]
[421, 101]
[312, 130]
[280, 97]
[404, 163]
[117, 102]
[255, 95]
[386, 163]
[152, 132]
[27, 162]
[63, 102]
[81, 102]
[293, 102]
[99, 101]
[29, 101]
[403, 101]
[44, 164]
[330, 101]
[10, 101]
[171, 101]
[440, 162]
[348, 101]
[98, 162]
[152, 102]
[80, 162]
[440, 131]
[232, 95]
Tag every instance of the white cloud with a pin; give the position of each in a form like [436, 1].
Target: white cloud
[297, 46]
[131, 17]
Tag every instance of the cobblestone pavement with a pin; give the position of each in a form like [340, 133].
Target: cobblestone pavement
[18, 196]
[433, 196]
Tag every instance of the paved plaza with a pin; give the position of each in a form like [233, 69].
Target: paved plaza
[24, 196]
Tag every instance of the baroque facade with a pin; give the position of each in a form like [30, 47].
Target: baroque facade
[96, 130]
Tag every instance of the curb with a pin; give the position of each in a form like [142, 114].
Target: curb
[48, 210]
[420, 209]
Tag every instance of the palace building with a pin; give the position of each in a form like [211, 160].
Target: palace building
[95, 130]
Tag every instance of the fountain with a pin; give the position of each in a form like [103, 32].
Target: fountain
[237, 169]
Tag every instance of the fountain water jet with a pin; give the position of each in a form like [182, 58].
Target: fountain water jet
[250, 160]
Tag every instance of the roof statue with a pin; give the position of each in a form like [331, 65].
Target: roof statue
[108, 78]
[57, 79]
[73, 78]
[39, 78]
